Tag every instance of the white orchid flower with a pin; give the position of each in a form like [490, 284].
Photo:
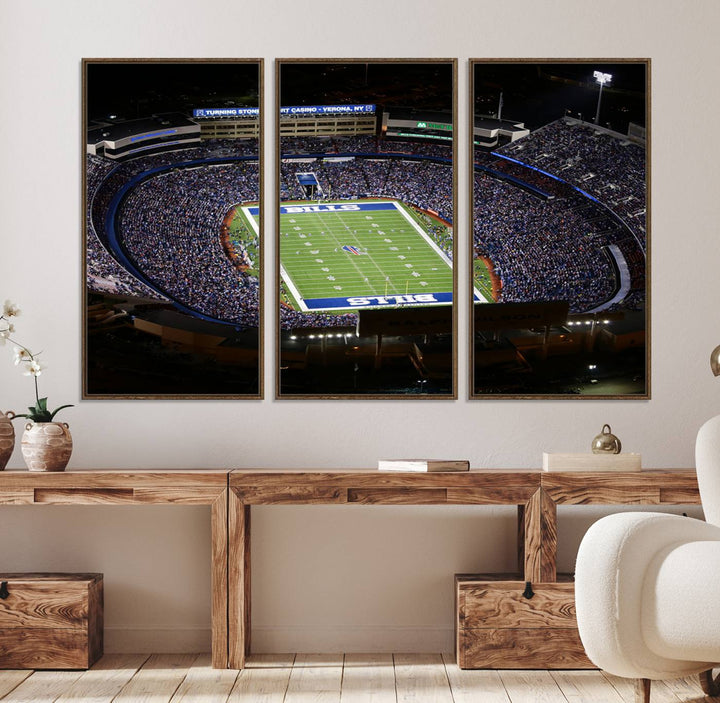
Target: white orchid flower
[33, 368]
[22, 355]
[10, 309]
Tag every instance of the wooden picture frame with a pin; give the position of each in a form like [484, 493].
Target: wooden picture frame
[172, 294]
[559, 236]
[366, 164]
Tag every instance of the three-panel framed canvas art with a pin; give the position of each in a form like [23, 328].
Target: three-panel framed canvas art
[342, 234]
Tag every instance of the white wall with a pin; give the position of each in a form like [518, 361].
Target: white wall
[367, 577]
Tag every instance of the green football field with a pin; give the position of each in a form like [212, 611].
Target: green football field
[348, 254]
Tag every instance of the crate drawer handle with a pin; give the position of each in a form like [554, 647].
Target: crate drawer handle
[528, 592]
[4, 590]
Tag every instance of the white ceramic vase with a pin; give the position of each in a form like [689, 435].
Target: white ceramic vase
[7, 437]
[46, 446]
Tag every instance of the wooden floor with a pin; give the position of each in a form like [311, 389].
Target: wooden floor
[352, 678]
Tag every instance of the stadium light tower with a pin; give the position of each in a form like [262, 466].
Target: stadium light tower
[602, 79]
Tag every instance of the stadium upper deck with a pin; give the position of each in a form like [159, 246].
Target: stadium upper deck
[117, 140]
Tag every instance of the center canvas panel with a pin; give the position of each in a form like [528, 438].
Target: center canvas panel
[365, 228]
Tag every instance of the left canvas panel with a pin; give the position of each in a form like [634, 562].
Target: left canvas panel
[172, 165]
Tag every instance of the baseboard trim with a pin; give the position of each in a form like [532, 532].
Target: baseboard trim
[352, 639]
[147, 640]
[277, 640]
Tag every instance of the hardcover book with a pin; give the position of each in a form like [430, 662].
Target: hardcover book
[423, 465]
[591, 462]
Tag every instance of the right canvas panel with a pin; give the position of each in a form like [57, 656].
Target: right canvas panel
[560, 228]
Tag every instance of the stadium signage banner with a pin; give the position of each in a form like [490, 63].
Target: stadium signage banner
[344, 207]
[327, 109]
[380, 301]
[227, 112]
[436, 137]
[434, 125]
[293, 110]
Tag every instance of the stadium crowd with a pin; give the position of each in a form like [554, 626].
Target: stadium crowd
[361, 144]
[542, 249]
[608, 166]
[170, 227]
[105, 178]
[104, 273]
[425, 184]
[550, 244]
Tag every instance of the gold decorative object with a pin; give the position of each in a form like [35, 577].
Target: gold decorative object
[715, 361]
[606, 442]
[46, 446]
[7, 437]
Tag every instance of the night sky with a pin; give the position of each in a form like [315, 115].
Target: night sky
[538, 93]
[136, 89]
[420, 85]
[533, 93]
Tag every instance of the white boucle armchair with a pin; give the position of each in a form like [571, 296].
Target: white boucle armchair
[647, 586]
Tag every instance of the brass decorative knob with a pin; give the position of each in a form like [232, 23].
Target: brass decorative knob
[606, 442]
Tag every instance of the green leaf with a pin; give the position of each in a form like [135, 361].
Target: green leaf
[32, 410]
[57, 410]
[42, 404]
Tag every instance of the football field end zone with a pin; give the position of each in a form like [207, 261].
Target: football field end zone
[369, 302]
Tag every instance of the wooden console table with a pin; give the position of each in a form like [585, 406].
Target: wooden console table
[201, 487]
[231, 495]
[537, 495]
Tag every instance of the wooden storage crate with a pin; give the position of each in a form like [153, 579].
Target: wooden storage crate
[497, 627]
[50, 621]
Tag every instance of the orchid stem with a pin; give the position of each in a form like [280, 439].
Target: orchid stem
[31, 356]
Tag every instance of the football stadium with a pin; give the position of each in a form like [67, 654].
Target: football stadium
[172, 303]
[365, 236]
[560, 222]
[174, 241]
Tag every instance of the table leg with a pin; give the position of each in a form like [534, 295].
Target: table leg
[238, 581]
[219, 614]
[537, 538]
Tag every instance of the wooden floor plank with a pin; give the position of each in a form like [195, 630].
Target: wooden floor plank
[158, 680]
[586, 687]
[270, 661]
[264, 679]
[315, 677]
[203, 684]
[686, 688]
[421, 677]
[355, 678]
[43, 687]
[105, 680]
[531, 687]
[474, 685]
[659, 692]
[11, 679]
[368, 678]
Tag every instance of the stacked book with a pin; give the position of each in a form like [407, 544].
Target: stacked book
[423, 465]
